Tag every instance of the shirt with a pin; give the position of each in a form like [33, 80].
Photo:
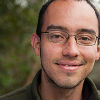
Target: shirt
[30, 92]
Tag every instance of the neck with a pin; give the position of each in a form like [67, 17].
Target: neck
[49, 91]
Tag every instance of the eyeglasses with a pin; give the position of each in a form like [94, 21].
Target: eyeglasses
[82, 38]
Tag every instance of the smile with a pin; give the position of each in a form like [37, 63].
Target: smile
[69, 66]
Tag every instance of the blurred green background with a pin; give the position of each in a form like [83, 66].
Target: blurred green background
[18, 63]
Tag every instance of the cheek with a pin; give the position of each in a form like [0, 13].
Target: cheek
[50, 51]
[89, 53]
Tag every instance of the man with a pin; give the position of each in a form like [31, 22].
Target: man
[67, 41]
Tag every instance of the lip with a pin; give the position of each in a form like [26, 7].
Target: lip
[69, 66]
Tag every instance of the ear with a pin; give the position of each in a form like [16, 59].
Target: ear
[98, 51]
[35, 42]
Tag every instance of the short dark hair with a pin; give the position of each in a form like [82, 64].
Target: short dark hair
[41, 15]
[44, 8]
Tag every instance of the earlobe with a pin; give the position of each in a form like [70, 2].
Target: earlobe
[99, 48]
[35, 42]
[98, 51]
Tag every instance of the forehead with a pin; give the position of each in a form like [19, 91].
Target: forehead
[68, 6]
[68, 12]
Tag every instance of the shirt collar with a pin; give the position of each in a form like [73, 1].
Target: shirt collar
[90, 91]
[35, 84]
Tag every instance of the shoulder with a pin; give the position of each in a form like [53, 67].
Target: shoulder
[20, 94]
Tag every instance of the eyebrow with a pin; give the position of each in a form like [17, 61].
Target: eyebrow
[51, 27]
[90, 31]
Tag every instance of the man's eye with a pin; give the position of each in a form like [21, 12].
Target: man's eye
[56, 36]
[85, 38]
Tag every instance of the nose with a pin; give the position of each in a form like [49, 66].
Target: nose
[70, 48]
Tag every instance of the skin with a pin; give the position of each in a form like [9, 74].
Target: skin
[57, 83]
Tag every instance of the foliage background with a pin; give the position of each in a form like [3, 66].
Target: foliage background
[18, 63]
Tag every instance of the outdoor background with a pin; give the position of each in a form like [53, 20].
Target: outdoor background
[18, 63]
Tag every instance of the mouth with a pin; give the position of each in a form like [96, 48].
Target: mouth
[69, 66]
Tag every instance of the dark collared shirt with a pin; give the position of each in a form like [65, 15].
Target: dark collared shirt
[30, 92]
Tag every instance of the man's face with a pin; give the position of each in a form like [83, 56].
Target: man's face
[69, 63]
